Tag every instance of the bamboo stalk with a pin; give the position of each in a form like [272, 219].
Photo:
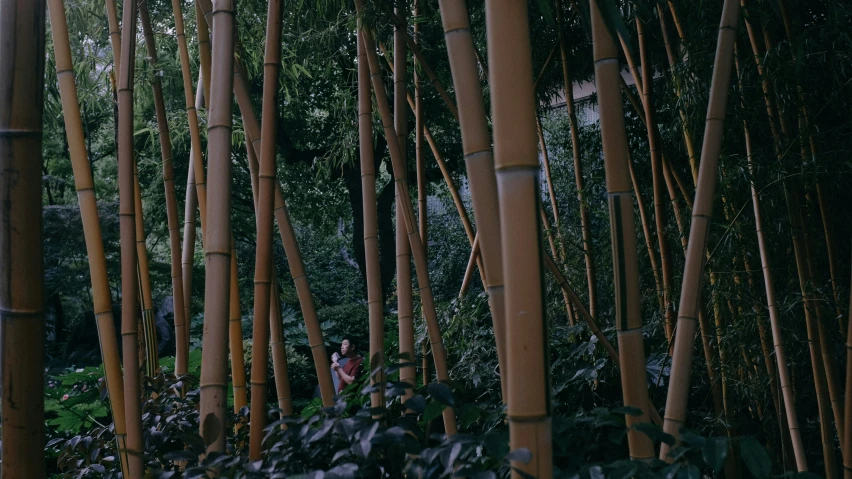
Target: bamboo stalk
[405, 301]
[84, 185]
[368, 194]
[646, 230]
[127, 223]
[690, 295]
[265, 202]
[22, 328]
[622, 221]
[279, 355]
[181, 350]
[235, 338]
[400, 178]
[552, 243]
[479, 162]
[517, 171]
[657, 175]
[471, 263]
[149, 328]
[218, 232]
[189, 234]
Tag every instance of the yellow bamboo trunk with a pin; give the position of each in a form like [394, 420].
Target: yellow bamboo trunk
[690, 295]
[628, 314]
[217, 230]
[127, 223]
[91, 225]
[263, 267]
[517, 171]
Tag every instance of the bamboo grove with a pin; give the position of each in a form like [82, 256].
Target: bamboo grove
[663, 184]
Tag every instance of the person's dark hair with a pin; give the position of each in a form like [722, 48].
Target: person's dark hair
[352, 344]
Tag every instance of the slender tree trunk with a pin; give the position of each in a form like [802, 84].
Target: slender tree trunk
[279, 355]
[84, 184]
[263, 271]
[420, 263]
[622, 221]
[690, 295]
[217, 252]
[181, 350]
[405, 301]
[22, 44]
[149, 326]
[657, 175]
[235, 338]
[129, 278]
[649, 240]
[189, 235]
[368, 187]
[476, 143]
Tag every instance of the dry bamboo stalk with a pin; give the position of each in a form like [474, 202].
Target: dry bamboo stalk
[690, 295]
[235, 338]
[657, 175]
[148, 325]
[203, 23]
[646, 230]
[476, 143]
[517, 170]
[847, 443]
[405, 300]
[279, 355]
[551, 192]
[214, 378]
[84, 185]
[22, 328]
[127, 223]
[291, 246]
[421, 267]
[419, 126]
[622, 221]
[263, 267]
[368, 194]
[585, 221]
[471, 262]
[181, 350]
[189, 234]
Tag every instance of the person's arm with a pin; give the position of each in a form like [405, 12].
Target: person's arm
[346, 378]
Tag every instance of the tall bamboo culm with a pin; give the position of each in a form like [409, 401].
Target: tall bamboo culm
[291, 246]
[517, 172]
[22, 45]
[647, 90]
[427, 300]
[127, 224]
[405, 300]
[91, 225]
[690, 295]
[263, 267]
[181, 350]
[775, 318]
[628, 313]
[189, 233]
[479, 161]
[214, 377]
[368, 196]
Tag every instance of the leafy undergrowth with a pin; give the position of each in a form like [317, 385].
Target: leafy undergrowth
[344, 441]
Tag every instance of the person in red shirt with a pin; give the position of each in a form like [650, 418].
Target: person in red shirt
[350, 371]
